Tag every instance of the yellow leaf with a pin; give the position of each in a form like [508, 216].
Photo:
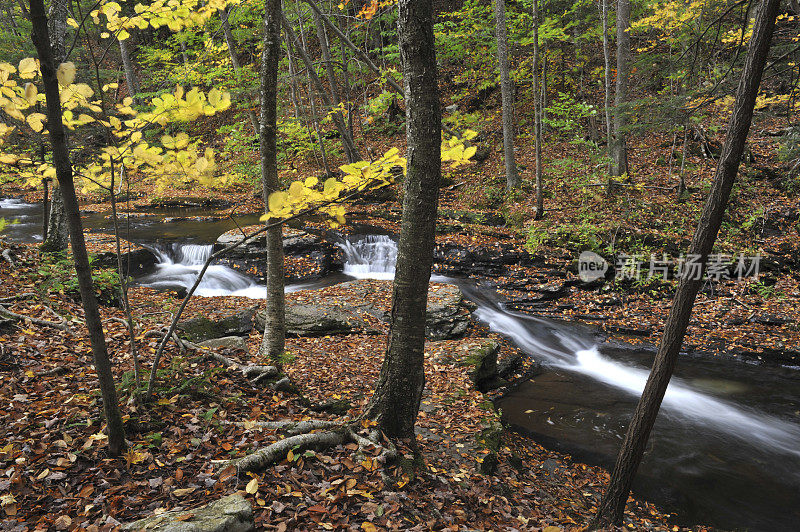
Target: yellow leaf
[252, 486]
[277, 201]
[368, 527]
[27, 68]
[290, 456]
[31, 92]
[36, 121]
[66, 73]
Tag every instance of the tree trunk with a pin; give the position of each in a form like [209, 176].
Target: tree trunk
[226, 29]
[395, 403]
[275, 325]
[507, 93]
[537, 121]
[613, 504]
[41, 39]
[347, 142]
[619, 149]
[131, 79]
[292, 75]
[312, 100]
[606, 73]
[56, 239]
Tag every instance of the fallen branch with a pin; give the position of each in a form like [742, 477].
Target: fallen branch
[252, 372]
[262, 458]
[62, 326]
[292, 428]
[6, 254]
[25, 295]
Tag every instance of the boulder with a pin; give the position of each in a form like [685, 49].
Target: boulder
[447, 317]
[316, 320]
[226, 342]
[142, 262]
[201, 329]
[316, 256]
[229, 514]
[483, 359]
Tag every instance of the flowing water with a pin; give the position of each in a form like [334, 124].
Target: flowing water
[725, 449]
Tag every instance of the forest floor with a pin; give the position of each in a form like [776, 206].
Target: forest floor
[57, 474]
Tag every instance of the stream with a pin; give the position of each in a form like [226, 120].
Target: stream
[725, 449]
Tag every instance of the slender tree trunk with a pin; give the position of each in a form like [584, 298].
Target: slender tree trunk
[226, 29]
[347, 142]
[275, 325]
[326, 57]
[41, 39]
[57, 235]
[131, 79]
[630, 455]
[312, 99]
[619, 149]
[507, 93]
[395, 403]
[606, 73]
[292, 76]
[537, 121]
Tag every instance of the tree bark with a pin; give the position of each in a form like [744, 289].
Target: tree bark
[226, 30]
[275, 325]
[131, 79]
[537, 121]
[41, 39]
[312, 100]
[507, 94]
[630, 455]
[56, 239]
[606, 73]
[619, 149]
[395, 403]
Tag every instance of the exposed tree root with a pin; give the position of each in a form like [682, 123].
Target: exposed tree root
[252, 372]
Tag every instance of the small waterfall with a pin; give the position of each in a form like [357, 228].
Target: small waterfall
[180, 264]
[370, 257]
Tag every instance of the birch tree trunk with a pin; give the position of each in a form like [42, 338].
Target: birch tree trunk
[395, 403]
[275, 324]
[630, 455]
[41, 40]
[619, 148]
[507, 93]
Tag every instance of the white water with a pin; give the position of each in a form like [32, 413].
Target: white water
[14, 204]
[181, 264]
[560, 348]
[370, 257]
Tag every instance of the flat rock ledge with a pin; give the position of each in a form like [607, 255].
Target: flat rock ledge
[228, 514]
